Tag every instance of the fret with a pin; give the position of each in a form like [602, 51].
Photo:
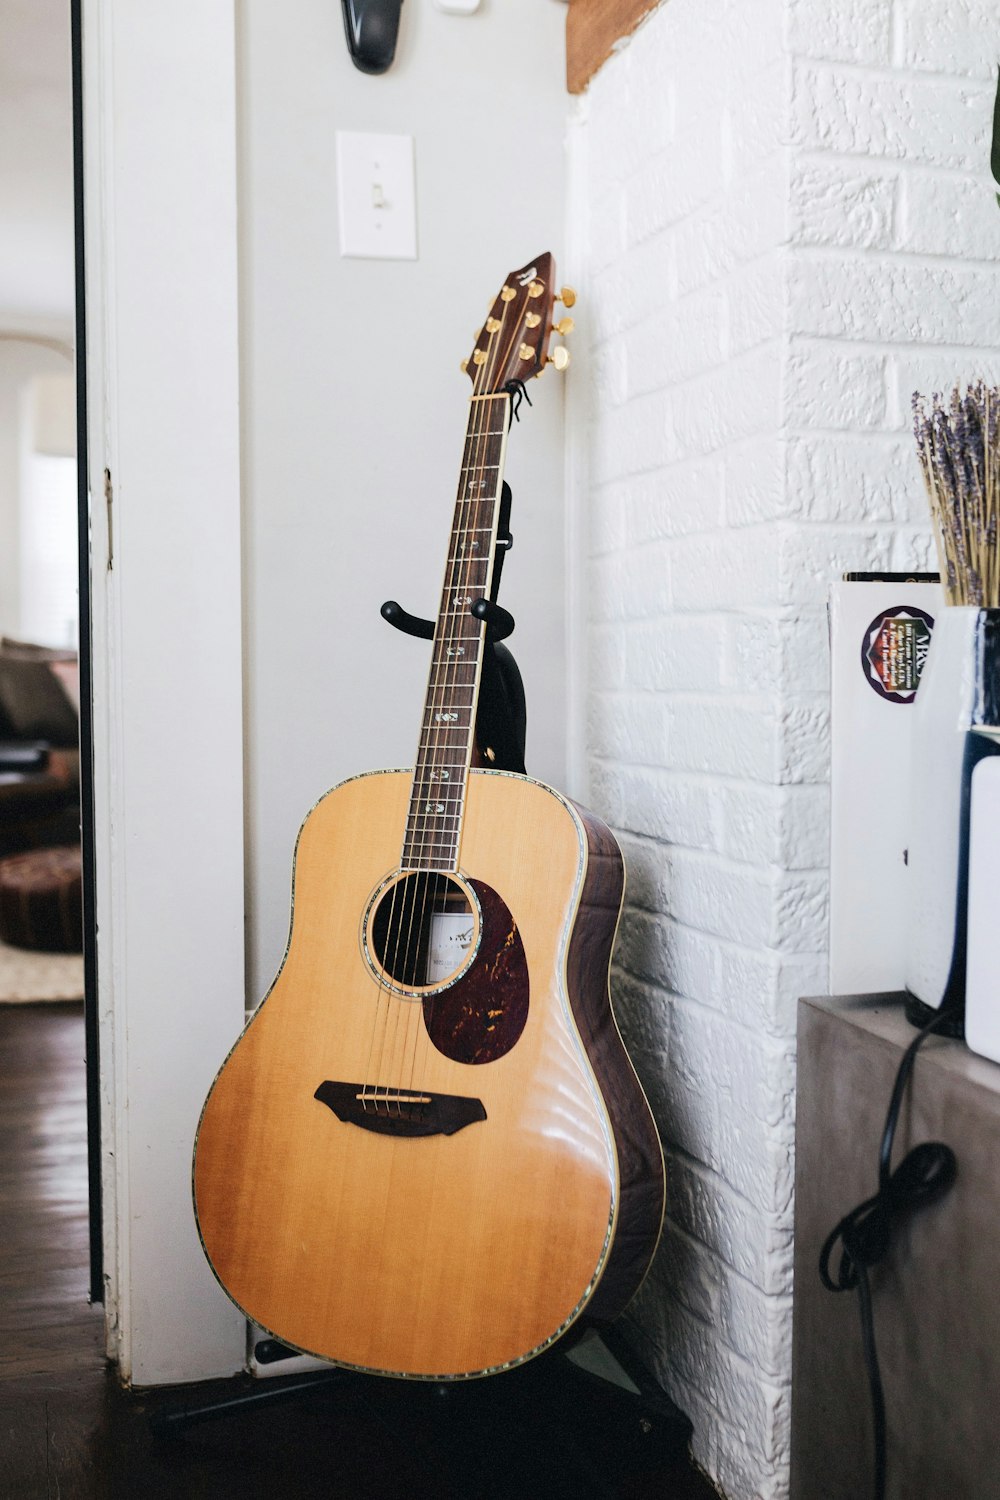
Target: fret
[418, 846]
[440, 777]
[460, 740]
[434, 859]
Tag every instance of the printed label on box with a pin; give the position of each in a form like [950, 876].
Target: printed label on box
[894, 651]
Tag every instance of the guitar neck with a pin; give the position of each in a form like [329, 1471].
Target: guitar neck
[447, 732]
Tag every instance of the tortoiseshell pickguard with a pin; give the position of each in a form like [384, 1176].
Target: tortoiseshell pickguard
[480, 1017]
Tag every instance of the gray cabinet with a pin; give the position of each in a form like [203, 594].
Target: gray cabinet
[936, 1296]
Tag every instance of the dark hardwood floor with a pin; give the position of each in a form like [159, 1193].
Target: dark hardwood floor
[67, 1432]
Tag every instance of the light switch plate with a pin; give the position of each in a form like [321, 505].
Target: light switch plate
[376, 196]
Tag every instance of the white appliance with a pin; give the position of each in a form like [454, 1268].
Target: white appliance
[880, 631]
[982, 991]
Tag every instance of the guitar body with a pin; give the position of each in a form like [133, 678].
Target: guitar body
[435, 1180]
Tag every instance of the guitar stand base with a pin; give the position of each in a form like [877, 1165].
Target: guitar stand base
[596, 1390]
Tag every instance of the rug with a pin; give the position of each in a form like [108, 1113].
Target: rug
[27, 976]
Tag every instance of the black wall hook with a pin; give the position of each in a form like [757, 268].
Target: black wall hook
[372, 27]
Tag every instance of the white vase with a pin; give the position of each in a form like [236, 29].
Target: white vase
[956, 723]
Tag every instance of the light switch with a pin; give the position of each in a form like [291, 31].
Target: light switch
[376, 196]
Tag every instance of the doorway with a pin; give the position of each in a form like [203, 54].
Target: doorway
[45, 765]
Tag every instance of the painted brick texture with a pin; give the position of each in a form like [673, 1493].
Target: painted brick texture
[784, 225]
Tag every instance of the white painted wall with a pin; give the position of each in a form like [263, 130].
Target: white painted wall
[163, 392]
[354, 407]
[784, 224]
[22, 358]
[36, 164]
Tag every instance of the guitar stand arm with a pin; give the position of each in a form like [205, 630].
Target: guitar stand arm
[499, 621]
[409, 624]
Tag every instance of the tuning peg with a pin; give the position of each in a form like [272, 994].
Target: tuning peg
[565, 326]
[464, 367]
[560, 357]
[567, 296]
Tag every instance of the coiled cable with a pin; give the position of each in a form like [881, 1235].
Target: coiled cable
[865, 1234]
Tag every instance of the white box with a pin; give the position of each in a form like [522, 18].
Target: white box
[982, 975]
[880, 627]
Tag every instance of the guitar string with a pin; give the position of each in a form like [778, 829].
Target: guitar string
[369, 1087]
[481, 432]
[489, 376]
[484, 373]
[408, 887]
[446, 664]
[435, 703]
[475, 511]
[449, 664]
[463, 565]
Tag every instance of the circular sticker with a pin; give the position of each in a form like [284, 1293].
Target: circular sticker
[894, 651]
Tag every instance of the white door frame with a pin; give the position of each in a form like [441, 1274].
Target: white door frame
[159, 110]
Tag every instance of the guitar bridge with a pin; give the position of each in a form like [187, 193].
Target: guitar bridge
[395, 1111]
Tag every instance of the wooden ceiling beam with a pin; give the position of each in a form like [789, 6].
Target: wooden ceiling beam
[592, 29]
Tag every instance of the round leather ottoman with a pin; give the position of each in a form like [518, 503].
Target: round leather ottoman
[41, 900]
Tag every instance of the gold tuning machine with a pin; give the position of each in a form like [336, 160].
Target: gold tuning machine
[567, 296]
[464, 366]
[565, 326]
[560, 356]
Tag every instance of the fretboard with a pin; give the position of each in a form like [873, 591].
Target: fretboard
[447, 731]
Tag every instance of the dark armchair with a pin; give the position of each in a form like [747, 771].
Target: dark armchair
[39, 758]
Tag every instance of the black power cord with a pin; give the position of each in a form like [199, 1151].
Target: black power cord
[865, 1234]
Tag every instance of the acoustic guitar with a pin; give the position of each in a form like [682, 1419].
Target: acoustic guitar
[428, 1154]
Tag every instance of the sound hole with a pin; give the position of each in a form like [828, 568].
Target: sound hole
[423, 929]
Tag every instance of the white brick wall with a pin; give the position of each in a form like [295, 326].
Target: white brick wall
[782, 224]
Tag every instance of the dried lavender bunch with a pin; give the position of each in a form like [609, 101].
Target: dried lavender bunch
[958, 442]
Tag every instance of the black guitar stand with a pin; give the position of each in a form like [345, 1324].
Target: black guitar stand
[592, 1385]
[592, 1396]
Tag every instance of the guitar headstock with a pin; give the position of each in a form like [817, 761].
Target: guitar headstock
[513, 343]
